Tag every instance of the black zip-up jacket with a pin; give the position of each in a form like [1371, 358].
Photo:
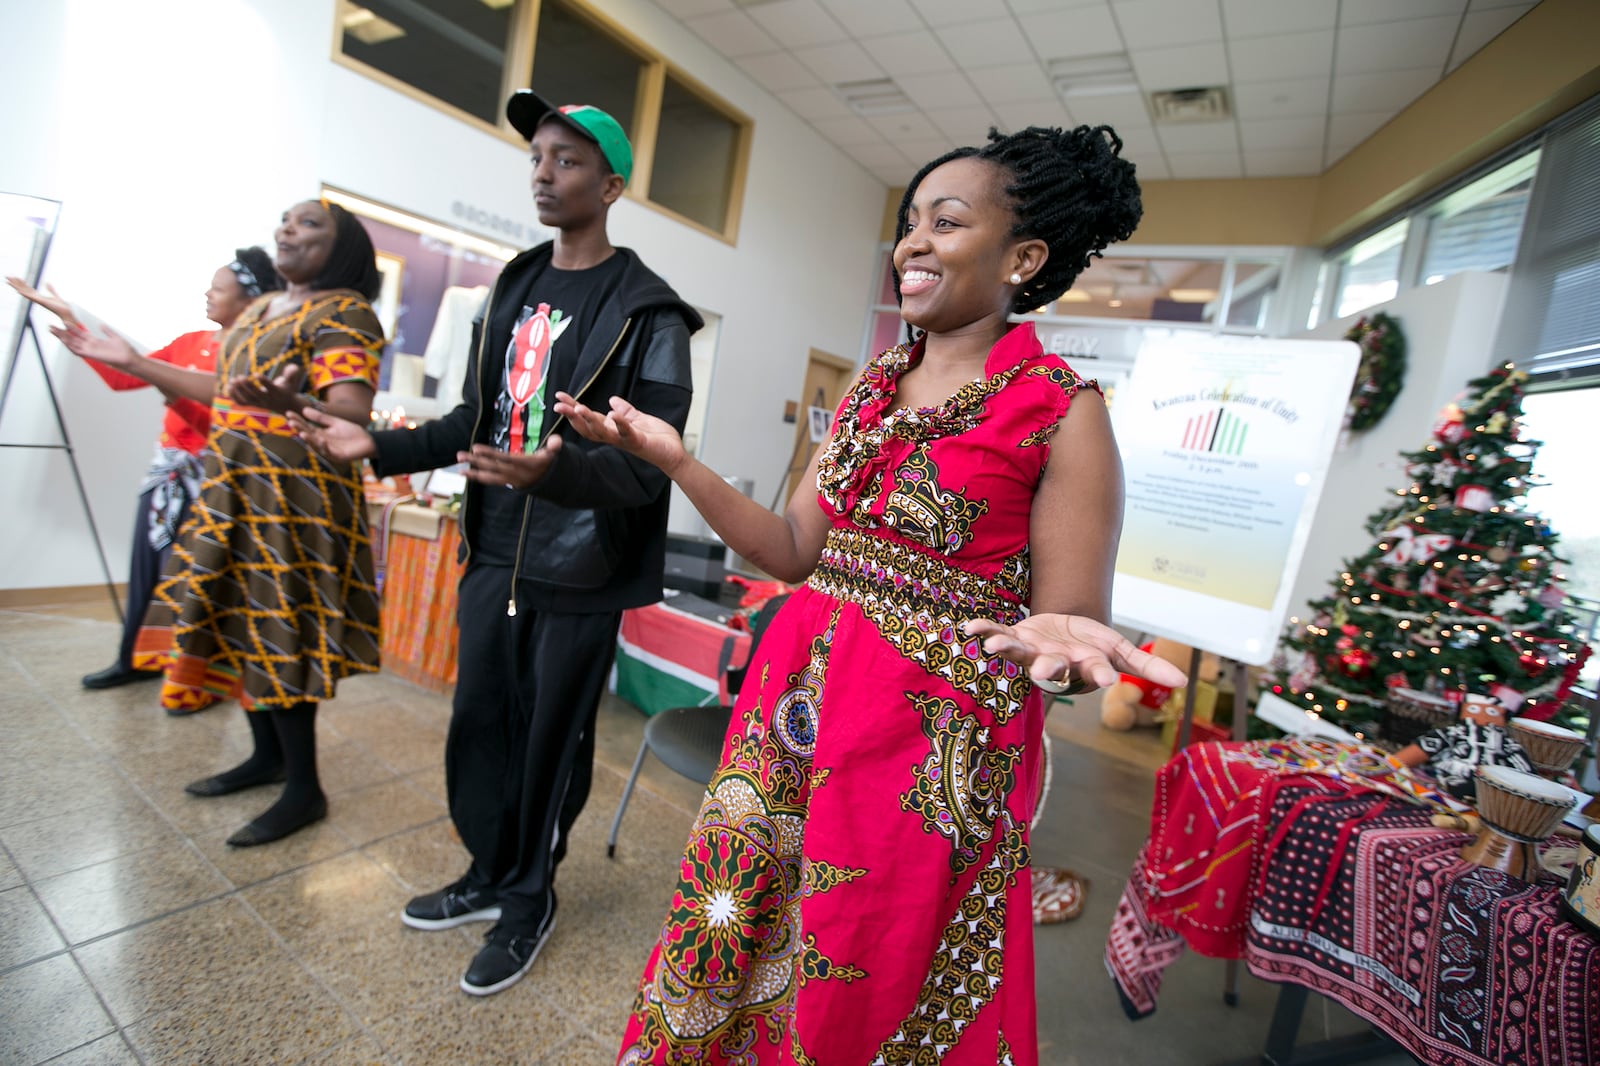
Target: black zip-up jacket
[594, 528]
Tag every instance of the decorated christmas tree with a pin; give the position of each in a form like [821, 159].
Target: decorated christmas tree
[1460, 591]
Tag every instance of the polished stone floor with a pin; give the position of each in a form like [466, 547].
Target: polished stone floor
[131, 933]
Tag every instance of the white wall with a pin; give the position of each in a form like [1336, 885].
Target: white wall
[174, 130]
[1449, 329]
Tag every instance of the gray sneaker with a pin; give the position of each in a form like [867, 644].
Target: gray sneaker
[451, 906]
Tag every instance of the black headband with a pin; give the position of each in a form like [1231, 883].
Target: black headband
[246, 277]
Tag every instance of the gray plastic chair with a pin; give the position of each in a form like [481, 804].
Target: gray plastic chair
[689, 739]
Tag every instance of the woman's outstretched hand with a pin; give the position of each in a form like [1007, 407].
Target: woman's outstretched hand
[1072, 648]
[628, 428]
[52, 303]
[111, 350]
[280, 394]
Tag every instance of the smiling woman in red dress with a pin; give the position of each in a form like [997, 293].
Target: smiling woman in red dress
[856, 887]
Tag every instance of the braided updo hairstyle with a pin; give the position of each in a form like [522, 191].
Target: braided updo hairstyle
[1068, 188]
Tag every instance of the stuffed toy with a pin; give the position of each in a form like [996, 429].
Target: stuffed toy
[1453, 753]
[1133, 701]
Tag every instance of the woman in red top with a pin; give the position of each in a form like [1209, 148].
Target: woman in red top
[174, 474]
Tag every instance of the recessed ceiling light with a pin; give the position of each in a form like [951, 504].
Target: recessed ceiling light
[1098, 75]
[1076, 296]
[880, 96]
[1192, 296]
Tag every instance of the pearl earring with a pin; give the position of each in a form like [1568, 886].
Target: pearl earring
[1016, 279]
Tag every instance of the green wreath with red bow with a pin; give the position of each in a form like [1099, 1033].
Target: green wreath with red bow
[1381, 372]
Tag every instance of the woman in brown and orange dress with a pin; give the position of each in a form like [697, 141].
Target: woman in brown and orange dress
[271, 596]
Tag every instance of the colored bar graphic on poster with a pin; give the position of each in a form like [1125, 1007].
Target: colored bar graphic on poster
[1225, 445]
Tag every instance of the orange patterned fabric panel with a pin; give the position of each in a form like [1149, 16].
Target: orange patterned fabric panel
[419, 607]
[333, 365]
[253, 419]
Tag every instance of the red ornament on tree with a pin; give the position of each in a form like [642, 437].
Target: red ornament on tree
[1354, 663]
[1533, 664]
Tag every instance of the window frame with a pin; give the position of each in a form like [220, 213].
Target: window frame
[521, 55]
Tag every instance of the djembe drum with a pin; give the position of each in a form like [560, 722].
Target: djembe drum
[1518, 810]
[1551, 749]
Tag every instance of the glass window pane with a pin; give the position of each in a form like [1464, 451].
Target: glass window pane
[696, 152]
[1255, 285]
[1478, 227]
[453, 50]
[1564, 421]
[888, 330]
[1371, 271]
[576, 62]
[1163, 290]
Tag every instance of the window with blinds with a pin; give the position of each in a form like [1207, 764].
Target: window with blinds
[1551, 323]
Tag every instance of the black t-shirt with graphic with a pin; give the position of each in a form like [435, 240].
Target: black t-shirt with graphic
[559, 310]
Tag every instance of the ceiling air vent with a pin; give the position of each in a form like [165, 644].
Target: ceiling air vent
[1190, 105]
[881, 96]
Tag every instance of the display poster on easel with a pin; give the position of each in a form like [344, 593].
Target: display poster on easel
[1225, 446]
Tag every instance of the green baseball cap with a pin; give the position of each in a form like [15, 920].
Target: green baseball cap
[526, 109]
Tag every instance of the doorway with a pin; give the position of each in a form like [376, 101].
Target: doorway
[827, 378]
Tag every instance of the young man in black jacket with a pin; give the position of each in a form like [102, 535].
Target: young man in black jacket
[559, 535]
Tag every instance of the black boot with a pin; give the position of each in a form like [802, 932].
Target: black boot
[118, 674]
[263, 767]
[302, 801]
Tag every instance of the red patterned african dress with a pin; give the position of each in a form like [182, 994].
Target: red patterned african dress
[269, 596]
[856, 886]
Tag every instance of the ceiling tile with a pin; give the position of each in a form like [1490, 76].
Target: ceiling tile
[946, 12]
[1140, 144]
[1014, 81]
[1282, 56]
[1118, 110]
[1151, 168]
[913, 52]
[1350, 130]
[733, 33]
[1185, 67]
[1077, 31]
[905, 126]
[878, 154]
[1164, 23]
[1033, 7]
[1390, 91]
[847, 131]
[984, 44]
[1281, 133]
[839, 62]
[880, 16]
[964, 125]
[1265, 18]
[797, 23]
[776, 71]
[1479, 28]
[1186, 138]
[894, 174]
[815, 103]
[688, 9]
[1020, 114]
[1282, 162]
[1364, 12]
[926, 151]
[1296, 98]
[1396, 46]
[933, 92]
[1198, 165]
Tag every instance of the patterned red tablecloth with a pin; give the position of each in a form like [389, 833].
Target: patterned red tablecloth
[1354, 895]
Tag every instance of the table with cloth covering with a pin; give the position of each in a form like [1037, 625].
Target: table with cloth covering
[675, 653]
[1320, 883]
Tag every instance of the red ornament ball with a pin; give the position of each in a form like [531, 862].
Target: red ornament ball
[1533, 664]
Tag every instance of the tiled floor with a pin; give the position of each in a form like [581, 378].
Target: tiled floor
[131, 933]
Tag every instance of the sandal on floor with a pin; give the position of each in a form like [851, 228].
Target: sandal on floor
[1057, 895]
